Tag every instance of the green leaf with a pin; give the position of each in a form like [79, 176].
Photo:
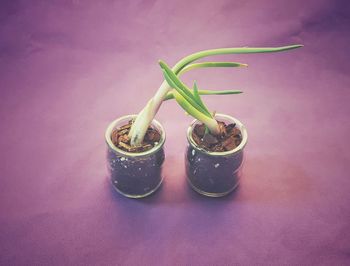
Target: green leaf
[188, 107]
[210, 64]
[188, 98]
[198, 98]
[169, 80]
[176, 82]
[170, 94]
[242, 50]
[182, 89]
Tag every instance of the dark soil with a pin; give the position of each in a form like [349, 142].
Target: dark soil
[121, 140]
[228, 139]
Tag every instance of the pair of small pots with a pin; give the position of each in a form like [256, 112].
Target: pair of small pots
[137, 175]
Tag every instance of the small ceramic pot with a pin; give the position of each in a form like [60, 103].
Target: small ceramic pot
[135, 175]
[214, 174]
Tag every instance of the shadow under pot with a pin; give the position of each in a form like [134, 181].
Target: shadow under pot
[214, 174]
[135, 174]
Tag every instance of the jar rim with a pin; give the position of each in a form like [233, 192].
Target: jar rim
[239, 148]
[111, 145]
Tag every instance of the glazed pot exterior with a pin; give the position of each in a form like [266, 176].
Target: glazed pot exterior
[214, 174]
[135, 175]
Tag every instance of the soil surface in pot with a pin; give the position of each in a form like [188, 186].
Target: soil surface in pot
[121, 140]
[229, 138]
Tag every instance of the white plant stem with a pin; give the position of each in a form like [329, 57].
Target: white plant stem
[145, 117]
[213, 127]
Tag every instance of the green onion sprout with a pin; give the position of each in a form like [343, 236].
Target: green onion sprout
[187, 98]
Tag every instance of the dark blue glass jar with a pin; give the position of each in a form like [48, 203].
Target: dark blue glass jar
[135, 175]
[214, 174]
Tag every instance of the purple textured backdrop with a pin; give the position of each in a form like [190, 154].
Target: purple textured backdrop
[68, 68]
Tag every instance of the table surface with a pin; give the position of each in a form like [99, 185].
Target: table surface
[68, 68]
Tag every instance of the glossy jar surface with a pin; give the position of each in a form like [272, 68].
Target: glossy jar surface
[135, 175]
[214, 174]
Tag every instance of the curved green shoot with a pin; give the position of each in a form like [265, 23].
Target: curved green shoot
[210, 64]
[170, 94]
[190, 101]
[181, 88]
[145, 117]
[210, 123]
[198, 98]
[242, 50]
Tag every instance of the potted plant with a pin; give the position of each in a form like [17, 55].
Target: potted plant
[135, 171]
[216, 142]
[135, 142]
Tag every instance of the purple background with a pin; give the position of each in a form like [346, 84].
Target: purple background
[68, 68]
